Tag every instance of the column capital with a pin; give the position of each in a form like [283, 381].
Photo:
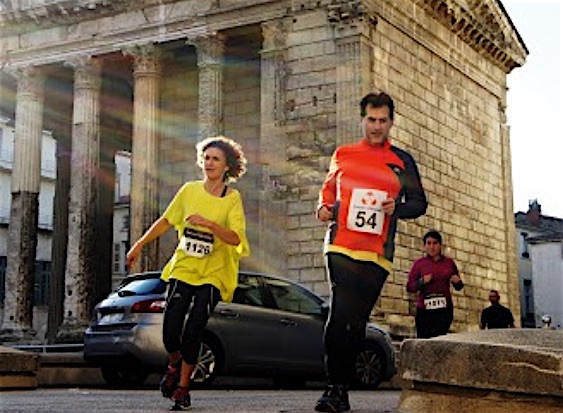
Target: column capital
[210, 49]
[146, 59]
[274, 35]
[29, 79]
[87, 70]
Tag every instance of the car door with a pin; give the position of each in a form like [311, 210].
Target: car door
[249, 328]
[301, 326]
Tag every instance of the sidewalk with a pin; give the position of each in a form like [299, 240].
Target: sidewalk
[203, 401]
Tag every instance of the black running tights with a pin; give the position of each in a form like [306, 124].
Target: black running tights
[355, 288]
[181, 333]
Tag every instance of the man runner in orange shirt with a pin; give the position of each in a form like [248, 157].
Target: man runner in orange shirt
[370, 184]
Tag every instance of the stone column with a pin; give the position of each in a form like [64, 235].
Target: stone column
[210, 50]
[104, 220]
[22, 233]
[352, 26]
[81, 258]
[144, 179]
[272, 151]
[60, 232]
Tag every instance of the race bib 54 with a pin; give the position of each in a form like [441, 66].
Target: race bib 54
[365, 213]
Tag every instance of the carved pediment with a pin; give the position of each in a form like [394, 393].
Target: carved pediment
[484, 25]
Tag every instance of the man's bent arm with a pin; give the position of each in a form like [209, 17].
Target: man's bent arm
[413, 202]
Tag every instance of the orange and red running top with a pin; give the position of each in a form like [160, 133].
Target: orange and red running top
[360, 177]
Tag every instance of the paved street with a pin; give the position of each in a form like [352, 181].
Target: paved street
[204, 401]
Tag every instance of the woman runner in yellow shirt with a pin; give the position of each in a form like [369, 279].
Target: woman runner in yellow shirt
[209, 218]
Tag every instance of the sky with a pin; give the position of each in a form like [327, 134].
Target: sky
[535, 106]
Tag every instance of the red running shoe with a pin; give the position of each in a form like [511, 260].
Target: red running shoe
[170, 380]
[181, 399]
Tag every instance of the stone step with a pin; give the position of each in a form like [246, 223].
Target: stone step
[18, 369]
[501, 371]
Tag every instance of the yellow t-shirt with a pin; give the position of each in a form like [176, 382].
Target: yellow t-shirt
[220, 266]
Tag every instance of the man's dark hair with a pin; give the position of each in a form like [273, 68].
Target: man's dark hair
[432, 234]
[377, 100]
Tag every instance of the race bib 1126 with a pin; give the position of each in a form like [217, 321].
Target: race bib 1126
[196, 243]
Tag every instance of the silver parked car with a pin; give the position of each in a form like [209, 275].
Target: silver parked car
[273, 328]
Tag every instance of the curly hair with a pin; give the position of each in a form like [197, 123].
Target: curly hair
[236, 161]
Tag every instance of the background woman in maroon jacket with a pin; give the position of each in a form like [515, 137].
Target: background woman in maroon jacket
[430, 277]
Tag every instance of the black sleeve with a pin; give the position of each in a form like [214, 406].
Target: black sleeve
[483, 321]
[412, 202]
[420, 284]
[510, 318]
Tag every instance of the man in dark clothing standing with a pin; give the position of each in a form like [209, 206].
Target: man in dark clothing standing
[496, 315]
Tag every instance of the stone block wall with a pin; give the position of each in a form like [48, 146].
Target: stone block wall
[449, 114]
[241, 122]
[310, 132]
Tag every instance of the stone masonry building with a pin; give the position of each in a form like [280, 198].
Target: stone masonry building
[284, 78]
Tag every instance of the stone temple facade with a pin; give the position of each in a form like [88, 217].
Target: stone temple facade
[284, 78]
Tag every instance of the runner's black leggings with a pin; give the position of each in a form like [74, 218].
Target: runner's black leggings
[179, 333]
[433, 323]
[355, 287]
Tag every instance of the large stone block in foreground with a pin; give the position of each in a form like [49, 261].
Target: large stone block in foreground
[18, 369]
[492, 371]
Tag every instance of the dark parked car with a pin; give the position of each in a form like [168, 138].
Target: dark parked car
[273, 328]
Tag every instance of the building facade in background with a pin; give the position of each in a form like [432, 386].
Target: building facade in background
[282, 77]
[42, 263]
[45, 216]
[540, 252]
[42, 269]
[121, 216]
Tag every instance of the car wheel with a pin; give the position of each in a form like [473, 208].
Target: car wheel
[124, 377]
[209, 362]
[370, 366]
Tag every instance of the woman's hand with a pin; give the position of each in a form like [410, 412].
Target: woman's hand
[159, 227]
[226, 234]
[198, 220]
[133, 254]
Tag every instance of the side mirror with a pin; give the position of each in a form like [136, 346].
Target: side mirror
[546, 320]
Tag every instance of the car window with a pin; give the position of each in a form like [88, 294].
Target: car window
[249, 291]
[143, 287]
[294, 298]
